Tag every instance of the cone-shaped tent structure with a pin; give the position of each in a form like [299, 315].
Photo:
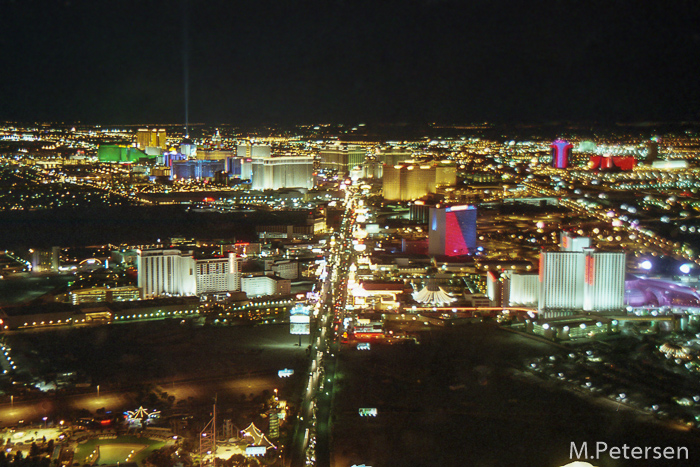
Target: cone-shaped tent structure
[259, 438]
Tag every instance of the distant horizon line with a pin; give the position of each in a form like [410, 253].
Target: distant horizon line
[453, 125]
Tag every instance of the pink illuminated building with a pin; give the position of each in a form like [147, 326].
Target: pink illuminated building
[561, 152]
[452, 231]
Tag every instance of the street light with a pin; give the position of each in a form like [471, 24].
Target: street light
[98, 390]
[45, 418]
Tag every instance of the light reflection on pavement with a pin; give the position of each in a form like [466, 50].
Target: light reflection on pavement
[34, 411]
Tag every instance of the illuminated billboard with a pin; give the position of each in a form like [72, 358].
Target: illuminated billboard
[299, 324]
[367, 412]
[255, 451]
[299, 320]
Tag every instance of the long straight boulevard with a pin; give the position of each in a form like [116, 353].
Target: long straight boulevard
[313, 436]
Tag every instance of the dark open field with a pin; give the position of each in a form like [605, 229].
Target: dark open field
[456, 400]
[128, 224]
[157, 351]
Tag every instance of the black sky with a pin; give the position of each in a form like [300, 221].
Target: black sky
[297, 61]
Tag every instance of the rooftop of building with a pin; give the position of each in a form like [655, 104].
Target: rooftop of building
[575, 320]
[383, 285]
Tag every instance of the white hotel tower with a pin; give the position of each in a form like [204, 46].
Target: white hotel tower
[177, 273]
[273, 173]
[581, 278]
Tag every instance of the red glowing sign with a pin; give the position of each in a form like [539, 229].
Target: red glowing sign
[609, 162]
[589, 276]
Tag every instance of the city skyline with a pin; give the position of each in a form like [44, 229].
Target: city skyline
[207, 263]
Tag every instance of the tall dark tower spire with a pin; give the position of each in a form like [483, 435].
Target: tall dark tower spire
[186, 65]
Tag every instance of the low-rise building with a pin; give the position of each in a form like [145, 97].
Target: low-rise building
[105, 294]
[257, 286]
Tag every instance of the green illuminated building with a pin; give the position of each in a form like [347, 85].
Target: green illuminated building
[120, 153]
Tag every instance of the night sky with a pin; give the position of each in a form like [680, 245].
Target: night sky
[296, 61]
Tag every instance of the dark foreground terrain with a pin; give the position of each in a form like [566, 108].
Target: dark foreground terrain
[458, 398]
